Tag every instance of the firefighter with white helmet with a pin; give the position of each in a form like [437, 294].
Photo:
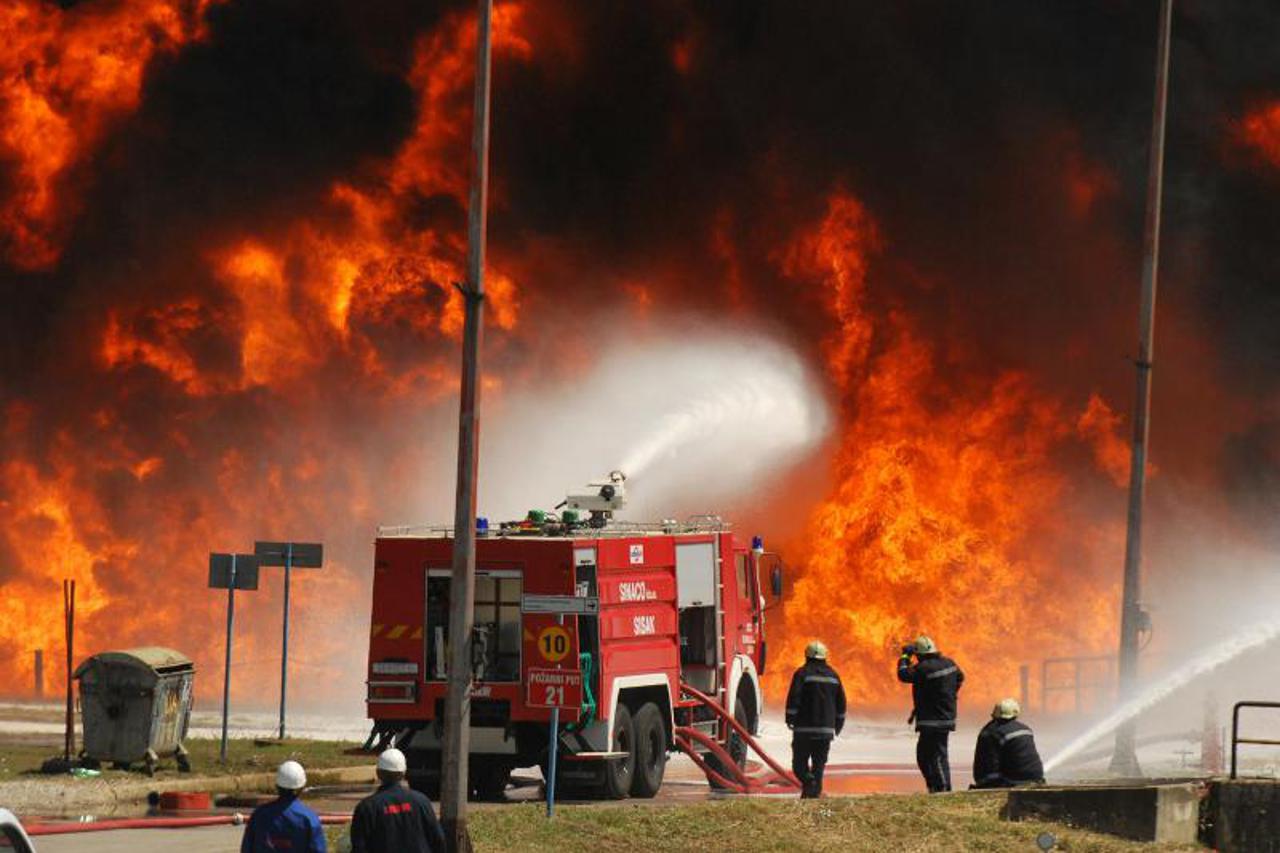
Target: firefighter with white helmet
[815, 715]
[1006, 753]
[395, 818]
[285, 823]
[935, 682]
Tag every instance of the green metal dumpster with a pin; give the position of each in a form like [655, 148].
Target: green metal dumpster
[136, 705]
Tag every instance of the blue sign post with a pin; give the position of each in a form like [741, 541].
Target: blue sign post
[230, 572]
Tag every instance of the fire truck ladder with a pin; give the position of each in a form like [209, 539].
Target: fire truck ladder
[778, 781]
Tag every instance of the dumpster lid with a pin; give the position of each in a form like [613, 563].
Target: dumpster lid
[157, 658]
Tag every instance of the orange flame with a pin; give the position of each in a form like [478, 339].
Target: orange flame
[945, 515]
[343, 291]
[1260, 131]
[68, 73]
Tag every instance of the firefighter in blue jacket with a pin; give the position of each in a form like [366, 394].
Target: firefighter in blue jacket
[935, 680]
[285, 823]
[815, 715]
[1006, 753]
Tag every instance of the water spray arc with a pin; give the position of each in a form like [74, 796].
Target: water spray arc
[1253, 637]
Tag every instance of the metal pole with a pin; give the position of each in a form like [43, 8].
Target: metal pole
[457, 734]
[284, 644]
[39, 674]
[69, 613]
[1024, 686]
[1124, 761]
[226, 670]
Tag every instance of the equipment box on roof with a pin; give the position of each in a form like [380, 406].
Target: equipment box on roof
[136, 706]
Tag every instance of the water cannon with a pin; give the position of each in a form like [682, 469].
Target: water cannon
[601, 498]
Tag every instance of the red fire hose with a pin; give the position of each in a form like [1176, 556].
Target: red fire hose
[779, 781]
[155, 823]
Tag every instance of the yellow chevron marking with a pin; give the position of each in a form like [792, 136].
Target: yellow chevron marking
[397, 631]
[417, 634]
[377, 629]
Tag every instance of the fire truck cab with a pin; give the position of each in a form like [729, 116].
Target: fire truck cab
[678, 603]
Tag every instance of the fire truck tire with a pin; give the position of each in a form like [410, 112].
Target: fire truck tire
[650, 751]
[618, 772]
[736, 747]
[489, 780]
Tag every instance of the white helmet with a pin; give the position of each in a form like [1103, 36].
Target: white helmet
[392, 761]
[291, 777]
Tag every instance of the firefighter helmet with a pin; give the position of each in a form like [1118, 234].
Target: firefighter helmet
[817, 650]
[291, 777]
[1006, 709]
[924, 645]
[392, 761]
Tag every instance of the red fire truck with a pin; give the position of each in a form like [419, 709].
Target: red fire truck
[670, 611]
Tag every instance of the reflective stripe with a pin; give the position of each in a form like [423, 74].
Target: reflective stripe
[814, 730]
[793, 710]
[990, 776]
[1011, 735]
[820, 679]
[942, 672]
[935, 723]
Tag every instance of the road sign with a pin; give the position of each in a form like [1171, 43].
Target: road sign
[305, 555]
[560, 604]
[554, 688]
[231, 572]
[291, 555]
[554, 643]
[246, 571]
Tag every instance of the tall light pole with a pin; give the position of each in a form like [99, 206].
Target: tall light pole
[457, 713]
[1124, 761]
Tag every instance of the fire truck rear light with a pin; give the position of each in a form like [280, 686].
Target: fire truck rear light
[757, 543]
[394, 667]
[393, 691]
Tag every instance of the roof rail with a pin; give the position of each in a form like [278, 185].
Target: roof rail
[707, 523]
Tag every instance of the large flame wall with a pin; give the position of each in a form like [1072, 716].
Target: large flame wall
[230, 234]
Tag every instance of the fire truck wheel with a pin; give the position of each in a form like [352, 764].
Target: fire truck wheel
[651, 751]
[490, 781]
[736, 747]
[426, 782]
[618, 772]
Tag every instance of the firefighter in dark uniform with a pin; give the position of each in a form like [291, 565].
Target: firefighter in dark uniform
[1006, 752]
[815, 715]
[935, 680]
[395, 819]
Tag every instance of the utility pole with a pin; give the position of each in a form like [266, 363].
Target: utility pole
[457, 713]
[1124, 761]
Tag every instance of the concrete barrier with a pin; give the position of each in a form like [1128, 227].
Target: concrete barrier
[1243, 816]
[1140, 812]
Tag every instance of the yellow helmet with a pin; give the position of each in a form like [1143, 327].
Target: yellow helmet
[924, 645]
[817, 650]
[1006, 709]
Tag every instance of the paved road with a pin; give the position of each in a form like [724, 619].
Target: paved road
[205, 839]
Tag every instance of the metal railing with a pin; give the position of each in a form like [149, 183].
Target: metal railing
[1235, 730]
[1080, 689]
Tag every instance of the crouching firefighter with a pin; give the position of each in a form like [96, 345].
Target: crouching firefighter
[815, 715]
[935, 681]
[1006, 752]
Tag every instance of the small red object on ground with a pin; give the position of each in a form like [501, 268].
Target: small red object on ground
[185, 801]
